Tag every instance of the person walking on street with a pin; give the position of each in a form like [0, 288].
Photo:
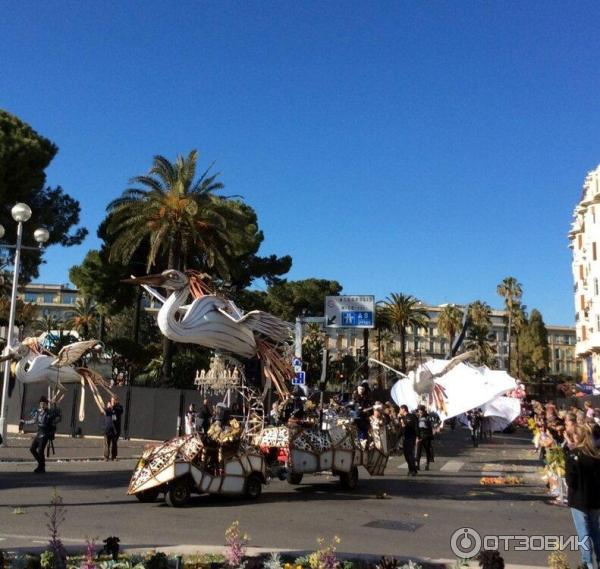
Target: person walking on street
[44, 421]
[203, 417]
[409, 424]
[425, 436]
[112, 428]
[583, 483]
[190, 420]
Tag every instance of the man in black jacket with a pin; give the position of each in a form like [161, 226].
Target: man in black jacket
[425, 436]
[203, 417]
[44, 420]
[112, 428]
[409, 424]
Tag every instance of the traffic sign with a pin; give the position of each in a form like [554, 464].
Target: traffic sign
[350, 311]
[300, 378]
[296, 362]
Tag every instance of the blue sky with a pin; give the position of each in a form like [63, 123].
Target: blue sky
[431, 148]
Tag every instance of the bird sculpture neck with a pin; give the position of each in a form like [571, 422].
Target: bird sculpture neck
[168, 321]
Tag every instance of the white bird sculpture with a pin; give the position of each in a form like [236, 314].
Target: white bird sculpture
[34, 365]
[215, 322]
[450, 387]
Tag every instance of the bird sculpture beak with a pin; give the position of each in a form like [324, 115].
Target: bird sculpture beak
[156, 280]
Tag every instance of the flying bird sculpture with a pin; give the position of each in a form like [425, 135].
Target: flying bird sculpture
[34, 364]
[216, 322]
[450, 387]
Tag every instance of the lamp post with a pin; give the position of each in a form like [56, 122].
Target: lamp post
[21, 213]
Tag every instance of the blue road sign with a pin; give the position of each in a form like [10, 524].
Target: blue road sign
[357, 318]
[300, 378]
[296, 362]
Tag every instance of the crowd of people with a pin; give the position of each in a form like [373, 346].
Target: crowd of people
[568, 441]
[409, 431]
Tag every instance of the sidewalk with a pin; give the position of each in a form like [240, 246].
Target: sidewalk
[68, 448]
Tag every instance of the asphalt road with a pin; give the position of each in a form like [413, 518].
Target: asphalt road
[416, 518]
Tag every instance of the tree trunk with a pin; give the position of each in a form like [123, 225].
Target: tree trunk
[509, 336]
[403, 349]
[137, 314]
[518, 358]
[102, 327]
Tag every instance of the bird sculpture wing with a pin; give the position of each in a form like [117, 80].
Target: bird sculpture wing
[71, 353]
[263, 323]
[453, 363]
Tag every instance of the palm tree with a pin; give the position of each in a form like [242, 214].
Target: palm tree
[402, 311]
[47, 323]
[83, 317]
[312, 351]
[519, 322]
[480, 318]
[449, 322]
[511, 291]
[175, 216]
[172, 213]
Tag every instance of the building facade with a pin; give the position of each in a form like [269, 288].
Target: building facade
[51, 300]
[428, 342]
[584, 241]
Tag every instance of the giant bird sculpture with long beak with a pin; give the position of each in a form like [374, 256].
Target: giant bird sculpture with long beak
[37, 365]
[216, 322]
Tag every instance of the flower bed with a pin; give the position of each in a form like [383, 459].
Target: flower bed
[235, 555]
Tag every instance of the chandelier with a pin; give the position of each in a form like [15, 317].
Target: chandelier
[219, 377]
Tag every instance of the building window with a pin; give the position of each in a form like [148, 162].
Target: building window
[583, 334]
[593, 215]
[557, 354]
[579, 241]
[594, 251]
[597, 322]
[580, 272]
[582, 302]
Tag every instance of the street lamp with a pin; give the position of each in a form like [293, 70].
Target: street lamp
[21, 213]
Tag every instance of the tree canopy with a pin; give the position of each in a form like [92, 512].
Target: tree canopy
[533, 347]
[304, 297]
[24, 156]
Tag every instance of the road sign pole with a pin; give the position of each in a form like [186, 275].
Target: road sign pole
[298, 338]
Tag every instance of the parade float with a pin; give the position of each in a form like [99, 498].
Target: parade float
[239, 456]
[221, 461]
[335, 447]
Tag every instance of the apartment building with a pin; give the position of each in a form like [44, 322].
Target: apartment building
[584, 241]
[52, 300]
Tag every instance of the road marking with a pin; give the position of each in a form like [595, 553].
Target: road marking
[492, 469]
[453, 466]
